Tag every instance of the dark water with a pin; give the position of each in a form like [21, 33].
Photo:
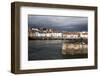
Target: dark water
[47, 50]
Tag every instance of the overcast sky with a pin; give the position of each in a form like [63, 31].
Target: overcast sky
[60, 23]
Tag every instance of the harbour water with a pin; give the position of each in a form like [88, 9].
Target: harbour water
[48, 50]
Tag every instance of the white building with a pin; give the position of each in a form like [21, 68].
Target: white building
[70, 35]
[84, 34]
[57, 35]
[48, 34]
[38, 34]
[35, 29]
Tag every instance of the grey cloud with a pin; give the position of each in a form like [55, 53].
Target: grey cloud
[61, 23]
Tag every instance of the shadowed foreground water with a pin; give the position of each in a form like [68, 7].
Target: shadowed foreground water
[48, 49]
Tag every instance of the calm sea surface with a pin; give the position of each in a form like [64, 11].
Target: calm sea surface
[46, 49]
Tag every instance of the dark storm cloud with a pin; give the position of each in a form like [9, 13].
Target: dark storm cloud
[61, 23]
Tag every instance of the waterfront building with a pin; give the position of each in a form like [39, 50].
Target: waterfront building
[71, 35]
[56, 35]
[84, 35]
[35, 29]
[30, 34]
[50, 33]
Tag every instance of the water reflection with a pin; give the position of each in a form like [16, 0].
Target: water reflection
[55, 49]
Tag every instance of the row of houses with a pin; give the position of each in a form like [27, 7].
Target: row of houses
[49, 33]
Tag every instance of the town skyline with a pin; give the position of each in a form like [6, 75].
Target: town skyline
[59, 23]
